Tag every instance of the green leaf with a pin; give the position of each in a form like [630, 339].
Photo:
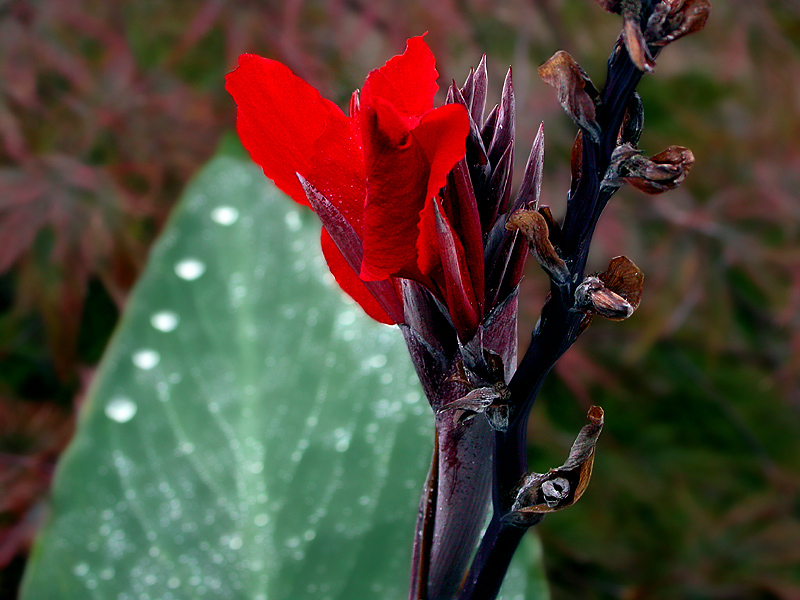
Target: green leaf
[250, 433]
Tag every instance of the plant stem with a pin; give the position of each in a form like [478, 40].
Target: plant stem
[556, 331]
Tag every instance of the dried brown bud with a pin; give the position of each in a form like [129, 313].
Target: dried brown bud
[635, 43]
[623, 277]
[663, 172]
[575, 91]
[561, 487]
[593, 297]
[533, 226]
[673, 19]
[554, 229]
[614, 294]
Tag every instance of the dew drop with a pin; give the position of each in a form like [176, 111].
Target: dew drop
[190, 269]
[412, 397]
[346, 318]
[225, 215]
[292, 219]
[261, 520]
[342, 439]
[375, 362]
[236, 542]
[81, 569]
[173, 583]
[146, 359]
[293, 542]
[165, 321]
[121, 409]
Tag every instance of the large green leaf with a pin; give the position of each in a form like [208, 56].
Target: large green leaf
[250, 433]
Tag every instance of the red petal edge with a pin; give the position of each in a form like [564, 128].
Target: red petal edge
[289, 128]
[350, 283]
[407, 81]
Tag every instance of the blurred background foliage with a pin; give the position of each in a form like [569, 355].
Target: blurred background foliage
[107, 108]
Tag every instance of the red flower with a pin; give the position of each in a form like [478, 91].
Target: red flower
[373, 177]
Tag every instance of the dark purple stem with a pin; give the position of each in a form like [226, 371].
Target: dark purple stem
[556, 331]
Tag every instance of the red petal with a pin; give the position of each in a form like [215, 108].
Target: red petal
[442, 135]
[428, 260]
[404, 169]
[408, 81]
[397, 182]
[289, 128]
[350, 283]
[349, 245]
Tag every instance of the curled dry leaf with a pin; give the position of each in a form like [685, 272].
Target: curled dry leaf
[673, 19]
[533, 225]
[575, 91]
[562, 487]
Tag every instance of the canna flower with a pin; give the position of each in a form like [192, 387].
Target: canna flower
[408, 194]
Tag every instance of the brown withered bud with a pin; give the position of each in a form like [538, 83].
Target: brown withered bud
[554, 229]
[562, 487]
[663, 172]
[673, 19]
[484, 397]
[576, 92]
[533, 225]
[614, 294]
[634, 40]
[623, 277]
[593, 297]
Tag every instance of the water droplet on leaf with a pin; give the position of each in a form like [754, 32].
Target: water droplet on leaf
[190, 269]
[121, 410]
